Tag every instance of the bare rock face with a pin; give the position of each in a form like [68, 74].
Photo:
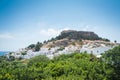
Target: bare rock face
[77, 35]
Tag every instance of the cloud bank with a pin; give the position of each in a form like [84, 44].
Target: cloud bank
[51, 32]
[6, 36]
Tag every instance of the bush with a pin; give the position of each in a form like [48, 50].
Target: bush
[112, 58]
[76, 66]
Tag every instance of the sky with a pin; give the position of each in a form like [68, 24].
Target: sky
[25, 22]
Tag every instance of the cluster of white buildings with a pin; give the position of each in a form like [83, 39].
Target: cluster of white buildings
[50, 53]
[94, 48]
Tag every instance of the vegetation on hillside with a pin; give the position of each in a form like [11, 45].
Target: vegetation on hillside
[76, 66]
[70, 35]
[35, 47]
[112, 58]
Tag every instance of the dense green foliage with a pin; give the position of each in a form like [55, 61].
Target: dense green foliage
[35, 47]
[76, 66]
[112, 58]
[24, 53]
[31, 46]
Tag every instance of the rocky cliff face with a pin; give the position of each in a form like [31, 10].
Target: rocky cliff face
[78, 35]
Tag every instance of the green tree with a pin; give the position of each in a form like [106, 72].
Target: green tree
[112, 57]
[38, 46]
[24, 53]
[31, 46]
[115, 41]
[75, 66]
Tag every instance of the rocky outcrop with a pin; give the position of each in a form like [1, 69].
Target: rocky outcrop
[78, 35]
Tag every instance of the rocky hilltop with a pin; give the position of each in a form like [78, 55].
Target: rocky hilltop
[67, 42]
[72, 37]
[78, 35]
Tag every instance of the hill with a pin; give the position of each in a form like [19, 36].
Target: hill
[78, 35]
[72, 37]
[69, 41]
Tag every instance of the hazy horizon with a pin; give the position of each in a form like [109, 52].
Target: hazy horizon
[24, 22]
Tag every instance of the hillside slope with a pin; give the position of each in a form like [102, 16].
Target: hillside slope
[69, 41]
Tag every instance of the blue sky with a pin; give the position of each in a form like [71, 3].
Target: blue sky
[23, 22]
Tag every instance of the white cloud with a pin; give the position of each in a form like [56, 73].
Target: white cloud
[51, 32]
[6, 36]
